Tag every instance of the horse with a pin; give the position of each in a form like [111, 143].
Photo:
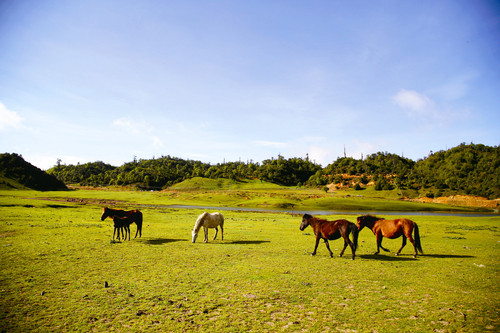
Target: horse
[134, 215]
[208, 220]
[331, 230]
[391, 229]
[120, 224]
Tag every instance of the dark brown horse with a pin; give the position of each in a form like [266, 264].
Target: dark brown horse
[331, 230]
[134, 215]
[122, 224]
[392, 229]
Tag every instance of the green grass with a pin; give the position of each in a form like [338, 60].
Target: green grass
[57, 255]
[247, 194]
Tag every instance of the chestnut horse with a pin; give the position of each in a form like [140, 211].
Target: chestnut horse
[331, 230]
[391, 229]
[133, 215]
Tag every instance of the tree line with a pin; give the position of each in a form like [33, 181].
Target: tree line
[472, 169]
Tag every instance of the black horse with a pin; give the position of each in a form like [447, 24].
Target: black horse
[122, 224]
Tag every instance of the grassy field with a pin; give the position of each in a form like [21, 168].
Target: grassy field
[61, 272]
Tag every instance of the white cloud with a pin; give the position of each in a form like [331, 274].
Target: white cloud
[135, 127]
[157, 142]
[321, 155]
[272, 144]
[9, 118]
[415, 103]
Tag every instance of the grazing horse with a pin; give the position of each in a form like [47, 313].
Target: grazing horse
[391, 229]
[134, 215]
[208, 220]
[121, 224]
[331, 230]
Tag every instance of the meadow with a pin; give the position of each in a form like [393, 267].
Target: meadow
[60, 271]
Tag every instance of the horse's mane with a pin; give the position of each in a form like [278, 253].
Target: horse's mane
[370, 217]
[316, 219]
[199, 221]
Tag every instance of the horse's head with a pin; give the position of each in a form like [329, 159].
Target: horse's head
[305, 221]
[194, 234]
[365, 221]
[105, 213]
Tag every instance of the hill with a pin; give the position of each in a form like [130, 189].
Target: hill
[16, 173]
[468, 169]
[200, 183]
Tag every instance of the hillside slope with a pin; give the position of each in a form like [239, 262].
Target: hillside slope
[16, 173]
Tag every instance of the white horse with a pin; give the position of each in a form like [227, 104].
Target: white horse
[208, 220]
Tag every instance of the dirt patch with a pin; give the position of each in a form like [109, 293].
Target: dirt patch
[463, 200]
[81, 201]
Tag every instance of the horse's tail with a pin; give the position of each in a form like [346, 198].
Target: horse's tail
[355, 233]
[221, 220]
[416, 235]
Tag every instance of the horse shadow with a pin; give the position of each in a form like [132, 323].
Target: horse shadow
[447, 256]
[409, 257]
[247, 242]
[161, 241]
[385, 258]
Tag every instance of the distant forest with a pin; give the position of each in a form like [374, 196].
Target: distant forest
[472, 169]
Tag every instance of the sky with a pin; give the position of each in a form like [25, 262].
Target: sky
[223, 81]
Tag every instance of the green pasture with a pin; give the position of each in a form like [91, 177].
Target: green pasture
[61, 272]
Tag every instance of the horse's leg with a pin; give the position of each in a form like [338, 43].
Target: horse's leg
[127, 230]
[345, 246]
[410, 238]
[216, 231]
[379, 243]
[351, 245]
[205, 229]
[328, 247]
[316, 246]
[221, 232]
[380, 237]
[114, 230]
[402, 245]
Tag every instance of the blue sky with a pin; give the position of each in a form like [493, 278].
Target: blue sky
[216, 81]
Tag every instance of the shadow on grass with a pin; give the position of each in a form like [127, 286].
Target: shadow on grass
[409, 257]
[386, 258]
[160, 241]
[446, 256]
[247, 242]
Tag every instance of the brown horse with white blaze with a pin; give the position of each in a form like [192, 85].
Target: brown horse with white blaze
[391, 229]
[331, 230]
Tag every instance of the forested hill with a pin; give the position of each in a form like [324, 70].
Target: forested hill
[472, 169]
[15, 172]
